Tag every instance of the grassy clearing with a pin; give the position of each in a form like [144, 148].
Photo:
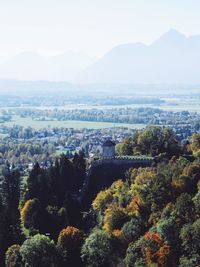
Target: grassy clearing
[17, 120]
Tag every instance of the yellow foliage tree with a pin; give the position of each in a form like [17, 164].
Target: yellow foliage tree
[134, 206]
[195, 145]
[70, 238]
[102, 200]
[115, 217]
[24, 210]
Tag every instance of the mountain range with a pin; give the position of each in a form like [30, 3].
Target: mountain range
[32, 66]
[172, 58]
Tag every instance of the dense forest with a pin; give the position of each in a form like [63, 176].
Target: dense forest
[149, 219]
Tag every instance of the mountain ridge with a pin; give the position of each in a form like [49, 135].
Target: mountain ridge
[172, 58]
[33, 66]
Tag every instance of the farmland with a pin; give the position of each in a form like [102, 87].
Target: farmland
[39, 124]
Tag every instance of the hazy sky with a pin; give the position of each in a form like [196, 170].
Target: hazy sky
[91, 26]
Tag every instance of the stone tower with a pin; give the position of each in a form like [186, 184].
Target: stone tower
[108, 150]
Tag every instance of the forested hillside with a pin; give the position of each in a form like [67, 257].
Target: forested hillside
[149, 219]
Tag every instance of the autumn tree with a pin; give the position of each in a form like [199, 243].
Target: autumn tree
[155, 250]
[31, 215]
[69, 244]
[114, 219]
[195, 144]
[13, 256]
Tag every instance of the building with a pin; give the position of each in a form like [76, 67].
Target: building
[108, 150]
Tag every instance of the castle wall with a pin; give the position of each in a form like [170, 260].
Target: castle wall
[102, 173]
[123, 161]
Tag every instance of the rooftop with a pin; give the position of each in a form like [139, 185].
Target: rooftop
[109, 143]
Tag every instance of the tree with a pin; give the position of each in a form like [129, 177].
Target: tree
[80, 169]
[185, 262]
[31, 214]
[125, 148]
[32, 181]
[132, 230]
[193, 172]
[153, 190]
[190, 236]
[69, 244]
[37, 185]
[10, 220]
[97, 249]
[184, 207]
[13, 257]
[115, 217]
[170, 146]
[134, 255]
[102, 200]
[150, 140]
[73, 209]
[3, 232]
[169, 232]
[39, 250]
[196, 201]
[66, 175]
[155, 250]
[57, 219]
[155, 140]
[11, 189]
[195, 145]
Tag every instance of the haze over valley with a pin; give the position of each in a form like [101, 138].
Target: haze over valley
[99, 133]
[173, 58]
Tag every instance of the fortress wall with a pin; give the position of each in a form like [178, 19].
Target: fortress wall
[102, 173]
[123, 161]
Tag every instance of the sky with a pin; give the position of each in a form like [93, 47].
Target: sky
[50, 27]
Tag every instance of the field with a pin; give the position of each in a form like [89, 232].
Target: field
[68, 124]
[176, 103]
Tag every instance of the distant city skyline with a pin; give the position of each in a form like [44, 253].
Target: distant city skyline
[51, 27]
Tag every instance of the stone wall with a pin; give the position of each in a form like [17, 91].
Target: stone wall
[102, 173]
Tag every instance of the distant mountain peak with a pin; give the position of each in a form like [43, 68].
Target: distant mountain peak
[171, 36]
[173, 31]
